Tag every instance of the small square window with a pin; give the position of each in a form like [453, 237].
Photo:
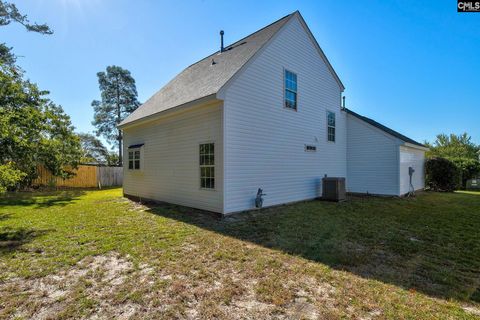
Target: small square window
[134, 157]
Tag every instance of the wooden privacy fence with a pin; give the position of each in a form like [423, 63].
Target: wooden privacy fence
[86, 177]
[110, 176]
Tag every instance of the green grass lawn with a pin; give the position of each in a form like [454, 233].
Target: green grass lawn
[74, 254]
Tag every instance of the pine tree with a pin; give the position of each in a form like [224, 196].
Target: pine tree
[118, 100]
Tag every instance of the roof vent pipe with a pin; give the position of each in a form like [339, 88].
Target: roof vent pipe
[343, 102]
[222, 49]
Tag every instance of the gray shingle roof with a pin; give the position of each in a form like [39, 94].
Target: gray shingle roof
[203, 79]
[384, 128]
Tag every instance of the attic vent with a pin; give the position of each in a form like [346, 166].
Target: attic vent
[310, 148]
[234, 46]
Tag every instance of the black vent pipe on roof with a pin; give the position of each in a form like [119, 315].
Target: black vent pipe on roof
[222, 49]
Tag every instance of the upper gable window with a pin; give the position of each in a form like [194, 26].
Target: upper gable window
[290, 90]
[331, 126]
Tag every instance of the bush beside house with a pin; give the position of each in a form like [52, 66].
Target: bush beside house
[441, 174]
[448, 151]
[9, 176]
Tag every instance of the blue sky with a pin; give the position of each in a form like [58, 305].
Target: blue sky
[411, 65]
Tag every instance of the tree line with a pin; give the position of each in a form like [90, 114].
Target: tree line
[34, 130]
[451, 161]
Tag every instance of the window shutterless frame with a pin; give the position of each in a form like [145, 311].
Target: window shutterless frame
[207, 165]
[134, 159]
[331, 126]
[290, 90]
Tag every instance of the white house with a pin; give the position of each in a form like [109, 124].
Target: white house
[264, 112]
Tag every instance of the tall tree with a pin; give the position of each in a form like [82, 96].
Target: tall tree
[454, 147]
[8, 14]
[118, 100]
[34, 130]
[459, 149]
[95, 151]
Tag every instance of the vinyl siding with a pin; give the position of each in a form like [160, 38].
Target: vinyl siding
[264, 142]
[373, 159]
[415, 158]
[171, 158]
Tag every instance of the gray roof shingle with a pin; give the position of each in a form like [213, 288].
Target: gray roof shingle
[203, 78]
[384, 128]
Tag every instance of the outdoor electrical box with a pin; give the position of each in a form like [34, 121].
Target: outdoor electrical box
[473, 184]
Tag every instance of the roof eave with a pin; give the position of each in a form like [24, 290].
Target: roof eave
[322, 54]
[155, 116]
[415, 146]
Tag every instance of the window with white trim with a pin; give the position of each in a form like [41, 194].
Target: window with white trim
[331, 126]
[134, 159]
[290, 90]
[207, 166]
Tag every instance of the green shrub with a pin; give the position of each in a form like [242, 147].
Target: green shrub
[468, 168]
[10, 177]
[441, 174]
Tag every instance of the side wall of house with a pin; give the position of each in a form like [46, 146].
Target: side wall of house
[415, 158]
[373, 158]
[170, 158]
[265, 142]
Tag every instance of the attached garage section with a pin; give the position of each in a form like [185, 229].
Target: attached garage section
[414, 158]
[379, 158]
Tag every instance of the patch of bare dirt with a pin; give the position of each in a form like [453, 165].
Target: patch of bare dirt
[93, 277]
[472, 310]
[111, 287]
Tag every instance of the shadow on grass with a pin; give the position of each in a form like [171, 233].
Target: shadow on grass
[41, 200]
[429, 244]
[12, 239]
[4, 216]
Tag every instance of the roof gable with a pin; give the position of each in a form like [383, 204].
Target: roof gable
[320, 52]
[208, 76]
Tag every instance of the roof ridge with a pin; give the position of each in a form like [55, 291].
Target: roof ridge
[242, 39]
[259, 30]
[200, 79]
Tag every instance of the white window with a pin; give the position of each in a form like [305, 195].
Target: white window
[134, 162]
[207, 166]
[331, 126]
[290, 90]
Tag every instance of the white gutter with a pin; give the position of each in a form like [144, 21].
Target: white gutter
[411, 145]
